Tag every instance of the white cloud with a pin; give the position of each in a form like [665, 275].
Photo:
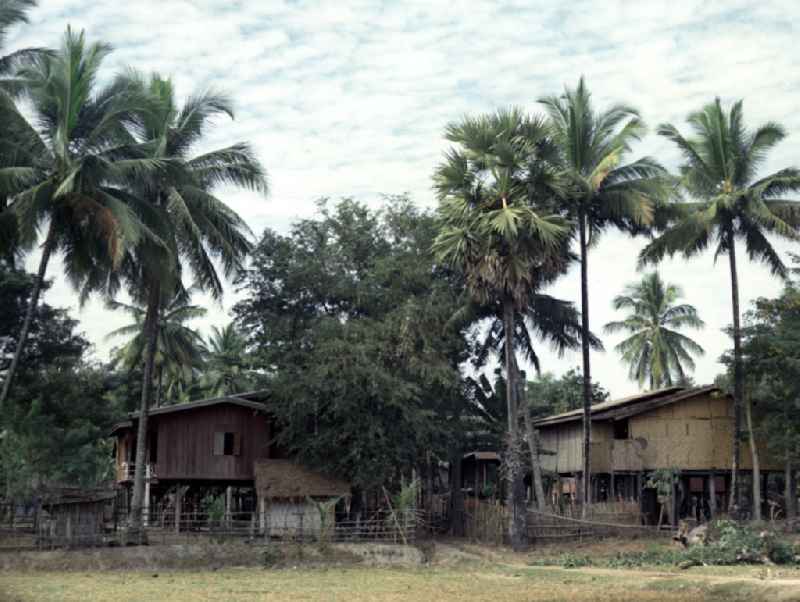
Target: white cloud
[350, 98]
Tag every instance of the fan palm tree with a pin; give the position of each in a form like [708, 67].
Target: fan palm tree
[179, 349]
[492, 233]
[655, 351]
[69, 167]
[552, 320]
[600, 191]
[198, 228]
[228, 365]
[720, 167]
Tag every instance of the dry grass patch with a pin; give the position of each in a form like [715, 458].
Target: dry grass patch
[495, 582]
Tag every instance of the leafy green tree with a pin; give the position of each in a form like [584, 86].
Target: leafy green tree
[600, 191]
[349, 316]
[179, 349]
[197, 228]
[229, 366]
[655, 351]
[53, 427]
[492, 232]
[549, 394]
[771, 363]
[71, 165]
[720, 167]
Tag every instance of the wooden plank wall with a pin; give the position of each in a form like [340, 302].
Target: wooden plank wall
[695, 434]
[186, 443]
[566, 440]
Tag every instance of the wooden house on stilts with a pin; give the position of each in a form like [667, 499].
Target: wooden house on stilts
[688, 430]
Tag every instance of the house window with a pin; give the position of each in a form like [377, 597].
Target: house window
[621, 429]
[227, 444]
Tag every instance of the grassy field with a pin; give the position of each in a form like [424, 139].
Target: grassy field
[489, 581]
[460, 572]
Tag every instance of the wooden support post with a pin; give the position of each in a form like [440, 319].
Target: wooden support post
[712, 494]
[262, 516]
[228, 503]
[68, 529]
[674, 510]
[612, 495]
[178, 508]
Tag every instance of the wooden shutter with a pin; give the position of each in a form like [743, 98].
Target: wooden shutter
[237, 444]
[219, 444]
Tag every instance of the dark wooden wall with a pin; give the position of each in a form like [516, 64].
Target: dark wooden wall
[186, 442]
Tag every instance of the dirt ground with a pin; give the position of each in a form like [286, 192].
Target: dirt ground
[457, 573]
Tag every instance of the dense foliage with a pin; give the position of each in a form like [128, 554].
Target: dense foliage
[53, 427]
[349, 317]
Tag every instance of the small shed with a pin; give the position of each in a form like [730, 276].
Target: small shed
[75, 517]
[284, 487]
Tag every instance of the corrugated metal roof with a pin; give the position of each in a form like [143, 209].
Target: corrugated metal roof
[246, 400]
[629, 406]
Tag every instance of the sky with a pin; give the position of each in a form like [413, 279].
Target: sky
[351, 98]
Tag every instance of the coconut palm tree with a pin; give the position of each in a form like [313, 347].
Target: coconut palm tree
[179, 349]
[71, 165]
[492, 233]
[600, 191]
[655, 351]
[720, 166]
[198, 228]
[12, 12]
[229, 368]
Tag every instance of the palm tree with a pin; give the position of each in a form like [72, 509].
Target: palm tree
[719, 170]
[492, 233]
[179, 349]
[229, 369]
[553, 320]
[655, 351]
[70, 166]
[599, 191]
[12, 12]
[197, 227]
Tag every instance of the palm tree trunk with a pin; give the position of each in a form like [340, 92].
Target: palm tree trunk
[517, 530]
[533, 444]
[151, 337]
[160, 381]
[756, 464]
[587, 374]
[738, 377]
[47, 251]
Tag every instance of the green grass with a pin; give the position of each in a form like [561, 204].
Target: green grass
[496, 582]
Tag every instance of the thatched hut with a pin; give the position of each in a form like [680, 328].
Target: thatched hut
[286, 493]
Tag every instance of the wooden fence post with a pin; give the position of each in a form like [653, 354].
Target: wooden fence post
[712, 494]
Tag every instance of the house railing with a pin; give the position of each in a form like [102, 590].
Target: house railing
[127, 471]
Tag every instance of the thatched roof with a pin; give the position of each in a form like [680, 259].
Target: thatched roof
[286, 479]
[615, 409]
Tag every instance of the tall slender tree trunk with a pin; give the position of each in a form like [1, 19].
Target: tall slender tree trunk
[587, 373]
[738, 378]
[517, 526]
[533, 444]
[47, 251]
[151, 337]
[790, 490]
[756, 464]
[159, 388]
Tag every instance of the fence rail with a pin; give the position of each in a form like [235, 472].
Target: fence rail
[44, 532]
